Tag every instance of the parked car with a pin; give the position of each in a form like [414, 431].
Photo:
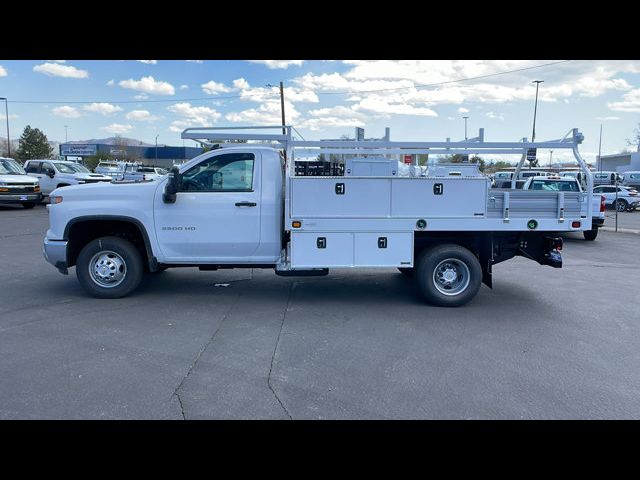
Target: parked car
[61, 173]
[16, 186]
[571, 184]
[606, 178]
[628, 199]
[152, 173]
[631, 179]
[107, 168]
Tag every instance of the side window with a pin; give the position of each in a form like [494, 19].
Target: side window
[609, 190]
[232, 172]
[47, 167]
[33, 167]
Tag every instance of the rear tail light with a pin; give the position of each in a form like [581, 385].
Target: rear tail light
[602, 203]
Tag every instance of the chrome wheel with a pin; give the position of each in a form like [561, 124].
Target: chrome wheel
[451, 276]
[107, 269]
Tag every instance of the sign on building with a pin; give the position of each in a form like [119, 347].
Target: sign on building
[79, 150]
[408, 159]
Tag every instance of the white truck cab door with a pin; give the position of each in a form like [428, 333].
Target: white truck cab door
[216, 216]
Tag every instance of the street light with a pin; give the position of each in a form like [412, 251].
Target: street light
[465, 128]
[550, 158]
[6, 112]
[157, 149]
[535, 110]
[66, 139]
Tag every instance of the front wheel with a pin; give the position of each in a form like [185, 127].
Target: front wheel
[448, 275]
[109, 267]
[590, 234]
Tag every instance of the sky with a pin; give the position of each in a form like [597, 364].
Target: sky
[418, 100]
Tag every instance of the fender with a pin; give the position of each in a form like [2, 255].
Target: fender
[153, 262]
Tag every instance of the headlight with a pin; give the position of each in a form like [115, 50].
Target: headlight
[55, 199]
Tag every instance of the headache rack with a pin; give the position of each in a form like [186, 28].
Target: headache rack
[505, 206]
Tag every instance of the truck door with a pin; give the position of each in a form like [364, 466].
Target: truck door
[216, 216]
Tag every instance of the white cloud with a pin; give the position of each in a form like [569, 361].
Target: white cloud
[327, 122]
[195, 61]
[379, 104]
[117, 128]
[495, 116]
[103, 108]
[141, 96]
[607, 118]
[630, 102]
[240, 83]
[184, 87]
[338, 111]
[193, 116]
[148, 62]
[266, 114]
[213, 88]
[463, 110]
[272, 64]
[58, 61]
[3, 71]
[148, 85]
[111, 83]
[67, 112]
[141, 116]
[11, 116]
[58, 70]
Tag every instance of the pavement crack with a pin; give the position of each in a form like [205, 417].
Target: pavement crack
[176, 392]
[284, 317]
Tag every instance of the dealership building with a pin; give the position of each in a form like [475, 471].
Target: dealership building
[162, 156]
[621, 162]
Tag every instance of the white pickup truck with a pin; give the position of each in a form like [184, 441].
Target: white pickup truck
[570, 184]
[243, 206]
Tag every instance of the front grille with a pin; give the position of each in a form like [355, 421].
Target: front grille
[21, 189]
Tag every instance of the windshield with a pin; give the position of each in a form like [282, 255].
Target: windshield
[65, 168]
[554, 186]
[79, 168]
[10, 167]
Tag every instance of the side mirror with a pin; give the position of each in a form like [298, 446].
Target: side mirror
[51, 174]
[172, 187]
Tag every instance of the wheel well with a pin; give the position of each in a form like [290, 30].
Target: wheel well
[81, 233]
[60, 185]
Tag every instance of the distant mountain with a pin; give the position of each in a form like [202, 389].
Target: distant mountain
[116, 141]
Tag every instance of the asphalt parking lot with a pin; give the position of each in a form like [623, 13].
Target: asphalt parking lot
[544, 343]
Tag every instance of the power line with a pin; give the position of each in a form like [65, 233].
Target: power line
[266, 95]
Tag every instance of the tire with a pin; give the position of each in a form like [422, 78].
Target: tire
[464, 265]
[407, 271]
[622, 205]
[28, 205]
[590, 234]
[122, 268]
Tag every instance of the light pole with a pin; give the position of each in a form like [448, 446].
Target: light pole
[157, 150]
[550, 158]
[600, 150]
[6, 112]
[465, 128]
[535, 110]
[66, 136]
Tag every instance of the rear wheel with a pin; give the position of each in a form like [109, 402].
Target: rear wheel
[448, 275]
[590, 234]
[621, 205]
[28, 205]
[109, 267]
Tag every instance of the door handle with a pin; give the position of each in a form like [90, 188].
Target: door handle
[246, 204]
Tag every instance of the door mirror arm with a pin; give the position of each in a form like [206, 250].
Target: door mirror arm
[173, 186]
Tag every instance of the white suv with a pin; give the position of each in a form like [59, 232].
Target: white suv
[628, 199]
[58, 173]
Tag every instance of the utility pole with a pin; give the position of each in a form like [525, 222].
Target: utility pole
[66, 136]
[6, 112]
[465, 128]
[157, 150]
[550, 158]
[600, 150]
[282, 107]
[535, 110]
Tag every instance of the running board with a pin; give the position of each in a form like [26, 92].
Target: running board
[315, 272]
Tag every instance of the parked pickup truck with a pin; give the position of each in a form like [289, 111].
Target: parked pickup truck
[60, 173]
[241, 205]
[571, 184]
[129, 172]
[16, 186]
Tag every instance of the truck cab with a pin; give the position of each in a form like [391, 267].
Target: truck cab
[58, 173]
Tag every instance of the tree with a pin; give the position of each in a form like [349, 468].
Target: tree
[635, 140]
[33, 144]
[458, 158]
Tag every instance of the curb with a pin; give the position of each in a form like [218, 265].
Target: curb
[620, 230]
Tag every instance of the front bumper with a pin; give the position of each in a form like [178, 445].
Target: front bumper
[55, 252]
[20, 197]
